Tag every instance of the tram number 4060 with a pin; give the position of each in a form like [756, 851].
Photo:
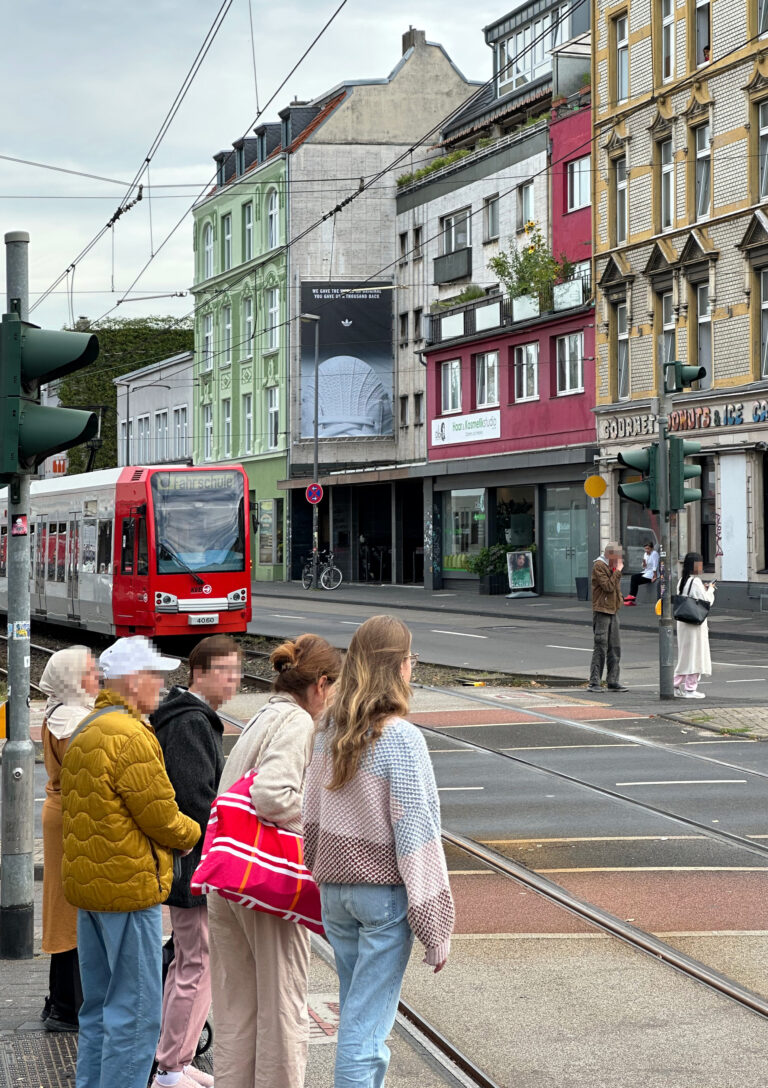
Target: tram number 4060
[204, 621]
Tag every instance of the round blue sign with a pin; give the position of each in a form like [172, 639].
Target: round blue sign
[314, 493]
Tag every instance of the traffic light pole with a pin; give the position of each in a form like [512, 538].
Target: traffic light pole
[667, 655]
[18, 766]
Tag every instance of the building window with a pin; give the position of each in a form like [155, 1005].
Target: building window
[404, 247]
[527, 372]
[487, 379]
[273, 316]
[762, 17]
[455, 230]
[703, 168]
[404, 328]
[143, 451]
[247, 327]
[273, 220]
[526, 55]
[239, 161]
[226, 416]
[667, 40]
[578, 183]
[570, 364]
[491, 217]
[622, 352]
[620, 179]
[667, 184]
[418, 321]
[667, 328]
[247, 232]
[621, 28]
[417, 243]
[764, 331]
[702, 37]
[450, 384]
[762, 156]
[404, 411]
[207, 251]
[208, 432]
[180, 432]
[226, 231]
[273, 417]
[525, 213]
[162, 452]
[247, 422]
[208, 342]
[704, 334]
[418, 409]
[226, 326]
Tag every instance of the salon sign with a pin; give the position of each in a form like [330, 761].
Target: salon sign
[470, 428]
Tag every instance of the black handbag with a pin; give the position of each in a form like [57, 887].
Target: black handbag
[688, 609]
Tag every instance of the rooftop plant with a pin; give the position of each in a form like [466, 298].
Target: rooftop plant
[530, 268]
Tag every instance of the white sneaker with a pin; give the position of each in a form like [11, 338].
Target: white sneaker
[198, 1076]
[679, 693]
[694, 695]
[184, 1081]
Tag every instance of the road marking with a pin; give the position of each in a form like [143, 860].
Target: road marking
[581, 649]
[352, 623]
[690, 782]
[592, 838]
[443, 594]
[756, 680]
[458, 789]
[282, 616]
[556, 747]
[461, 634]
[451, 751]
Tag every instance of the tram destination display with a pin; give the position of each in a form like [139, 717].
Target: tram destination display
[356, 359]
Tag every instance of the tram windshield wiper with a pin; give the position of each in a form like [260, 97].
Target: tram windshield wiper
[177, 559]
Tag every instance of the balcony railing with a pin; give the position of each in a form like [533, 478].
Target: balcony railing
[453, 266]
[496, 311]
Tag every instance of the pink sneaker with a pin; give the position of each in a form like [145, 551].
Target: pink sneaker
[198, 1076]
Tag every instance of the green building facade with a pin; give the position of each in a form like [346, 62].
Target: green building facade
[242, 338]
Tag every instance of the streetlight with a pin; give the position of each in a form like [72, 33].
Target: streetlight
[315, 471]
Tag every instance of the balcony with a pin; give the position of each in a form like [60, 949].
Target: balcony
[453, 266]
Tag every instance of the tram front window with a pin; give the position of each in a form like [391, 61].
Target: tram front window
[199, 521]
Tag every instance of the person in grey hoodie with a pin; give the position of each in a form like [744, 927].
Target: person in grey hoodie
[190, 734]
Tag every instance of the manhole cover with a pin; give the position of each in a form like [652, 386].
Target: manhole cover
[38, 1060]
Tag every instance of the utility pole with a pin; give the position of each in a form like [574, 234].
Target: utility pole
[315, 319]
[17, 871]
[667, 654]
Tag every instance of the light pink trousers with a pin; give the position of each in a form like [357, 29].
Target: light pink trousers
[187, 991]
[690, 681]
[260, 974]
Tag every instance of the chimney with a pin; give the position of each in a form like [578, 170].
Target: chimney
[413, 39]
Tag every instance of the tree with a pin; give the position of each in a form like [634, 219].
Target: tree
[125, 344]
[531, 269]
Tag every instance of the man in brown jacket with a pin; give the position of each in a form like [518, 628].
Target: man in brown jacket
[607, 599]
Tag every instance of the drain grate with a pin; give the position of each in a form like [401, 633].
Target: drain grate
[38, 1059]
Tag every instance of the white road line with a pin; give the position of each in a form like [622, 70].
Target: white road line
[461, 634]
[581, 649]
[352, 623]
[458, 789]
[690, 782]
[556, 747]
[755, 680]
[282, 616]
[737, 665]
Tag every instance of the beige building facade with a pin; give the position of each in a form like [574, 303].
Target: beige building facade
[680, 98]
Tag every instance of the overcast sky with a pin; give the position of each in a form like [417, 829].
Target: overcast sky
[87, 84]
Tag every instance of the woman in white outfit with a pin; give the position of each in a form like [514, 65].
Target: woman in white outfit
[693, 660]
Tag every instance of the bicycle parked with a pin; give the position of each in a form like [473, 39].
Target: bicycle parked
[328, 575]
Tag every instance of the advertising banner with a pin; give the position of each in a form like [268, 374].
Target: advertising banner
[471, 428]
[356, 359]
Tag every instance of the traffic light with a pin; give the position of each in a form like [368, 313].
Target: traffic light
[678, 376]
[679, 472]
[646, 459]
[30, 357]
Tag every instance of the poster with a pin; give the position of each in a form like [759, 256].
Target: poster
[356, 359]
[520, 570]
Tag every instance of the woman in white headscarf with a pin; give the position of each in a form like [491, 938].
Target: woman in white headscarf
[71, 682]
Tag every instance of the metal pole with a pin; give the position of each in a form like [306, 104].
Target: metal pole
[316, 468]
[18, 768]
[127, 423]
[667, 654]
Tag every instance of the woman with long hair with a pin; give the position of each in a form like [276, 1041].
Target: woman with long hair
[693, 659]
[372, 840]
[71, 682]
[259, 962]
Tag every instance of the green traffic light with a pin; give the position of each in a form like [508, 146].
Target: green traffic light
[679, 472]
[679, 376]
[645, 459]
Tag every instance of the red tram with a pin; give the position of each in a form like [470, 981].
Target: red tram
[140, 550]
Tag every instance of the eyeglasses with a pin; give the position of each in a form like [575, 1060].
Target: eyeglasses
[414, 660]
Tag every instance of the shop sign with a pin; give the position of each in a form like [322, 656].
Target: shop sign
[471, 428]
[628, 427]
[702, 418]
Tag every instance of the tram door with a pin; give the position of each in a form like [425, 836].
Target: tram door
[41, 541]
[73, 566]
[134, 568]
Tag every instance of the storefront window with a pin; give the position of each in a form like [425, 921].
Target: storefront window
[708, 513]
[464, 531]
[638, 525]
[514, 517]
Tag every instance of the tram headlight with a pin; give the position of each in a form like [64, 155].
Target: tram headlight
[166, 602]
[237, 598]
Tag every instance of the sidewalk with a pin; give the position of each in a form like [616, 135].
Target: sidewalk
[465, 600]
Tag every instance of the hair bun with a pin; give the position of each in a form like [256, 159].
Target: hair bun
[283, 657]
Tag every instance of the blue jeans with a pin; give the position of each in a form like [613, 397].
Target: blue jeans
[121, 971]
[367, 926]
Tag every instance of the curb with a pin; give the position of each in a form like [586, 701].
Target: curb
[711, 728]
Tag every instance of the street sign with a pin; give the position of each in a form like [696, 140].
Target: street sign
[314, 494]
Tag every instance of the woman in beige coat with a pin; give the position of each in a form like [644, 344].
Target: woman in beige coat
[693, 659]
[260, 963]
[71, 682]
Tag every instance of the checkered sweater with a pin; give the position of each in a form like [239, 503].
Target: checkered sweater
[383, 827]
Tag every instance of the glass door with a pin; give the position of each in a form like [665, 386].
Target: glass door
[564, 539]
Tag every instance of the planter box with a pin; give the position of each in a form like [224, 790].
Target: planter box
[493, 584]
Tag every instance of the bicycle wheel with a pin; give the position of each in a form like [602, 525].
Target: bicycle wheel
[306, 576]
[331, 578]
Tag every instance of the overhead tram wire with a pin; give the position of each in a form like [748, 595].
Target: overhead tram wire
[181, 94]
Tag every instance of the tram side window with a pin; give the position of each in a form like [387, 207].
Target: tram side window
[126, 552]
[3, 551]
[61, 553]
[42, 552]
[31, 552]
[104, 552]
[88, 547]
[142, 549]
[52, 546]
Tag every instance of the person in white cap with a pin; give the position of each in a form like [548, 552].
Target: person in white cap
[121, 826]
